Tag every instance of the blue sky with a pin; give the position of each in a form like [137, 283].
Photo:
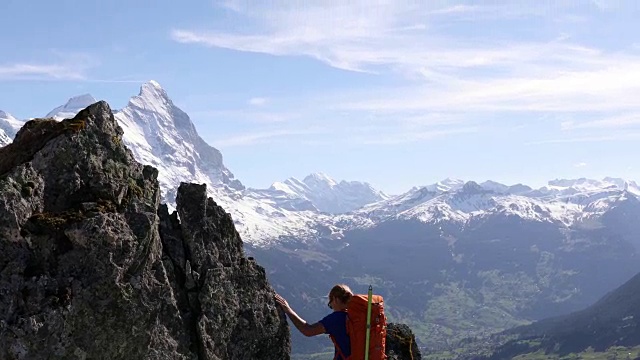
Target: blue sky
[397, 93]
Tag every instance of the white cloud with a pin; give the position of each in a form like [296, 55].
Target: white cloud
[456, 9]
[260, 137]
[485, 75]
[356, 36]
[466, 77]
[257, 101]
[580, 164]
[65, 66]
[610, 5]
[405, 137]
[33, 71]
[54, 72]
[608, 84]
[634, 136]
[232, 5]
[609, 122]
[339, 33]
[245, 116]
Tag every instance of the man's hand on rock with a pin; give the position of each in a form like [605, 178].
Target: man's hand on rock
[284, 305]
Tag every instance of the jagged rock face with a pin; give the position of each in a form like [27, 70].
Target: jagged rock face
[83, 271]
[401, 343]
[228, 302]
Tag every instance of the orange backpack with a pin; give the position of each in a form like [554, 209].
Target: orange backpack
[357, 328]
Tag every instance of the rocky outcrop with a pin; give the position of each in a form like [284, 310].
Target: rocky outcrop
[227, 300]
[401, 343]
[91, 267]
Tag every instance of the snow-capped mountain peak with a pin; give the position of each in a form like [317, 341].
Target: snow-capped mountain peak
[506, 189]
[446, 185]
[591, 184]
[584, 187]
[472, 187]
[152, 97]
[154, 86]
[290, 186]
[328, 195]
[319, 180]
[9, 126]
[162, 135]
[73, 106]
[628, 185]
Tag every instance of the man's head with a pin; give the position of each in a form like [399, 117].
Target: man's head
[339, 297]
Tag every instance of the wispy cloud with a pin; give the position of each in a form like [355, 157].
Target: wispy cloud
[593, 82]
[610, 122]
[257, 101]
[54, 72]
[464, 74]
[323, 131]
[357, 36]
[114, 81]
[261, 137]
[406, 137]
[232, 5]
[457, 9]
[608, 5]
[244, 116]
[589, 139]
[32, 71]
[580, 164]
[68, 65]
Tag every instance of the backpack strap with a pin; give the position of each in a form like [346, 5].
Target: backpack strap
[339, 352]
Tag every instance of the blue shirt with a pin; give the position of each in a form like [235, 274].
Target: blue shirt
[335, 324]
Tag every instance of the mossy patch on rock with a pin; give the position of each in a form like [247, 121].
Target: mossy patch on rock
[135, 189]
[46, 223]
[32, 137]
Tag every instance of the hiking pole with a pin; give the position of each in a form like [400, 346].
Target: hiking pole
[368, 336]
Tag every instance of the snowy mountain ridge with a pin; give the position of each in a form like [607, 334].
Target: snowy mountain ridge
[564, 205]
[162, 135]
[9, 126]
[327, 195]
[72, 107]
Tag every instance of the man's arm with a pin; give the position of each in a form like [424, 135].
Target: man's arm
[298, 322]
[303, 327]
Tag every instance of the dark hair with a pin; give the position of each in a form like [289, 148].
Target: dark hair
[341, 292]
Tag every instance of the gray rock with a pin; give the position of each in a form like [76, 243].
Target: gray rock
[229, 302]
[401, 343]
[91, 267]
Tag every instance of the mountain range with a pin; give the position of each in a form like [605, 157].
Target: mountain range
[162, 135]
[455, 259]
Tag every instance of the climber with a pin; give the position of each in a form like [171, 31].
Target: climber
[333, 324]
